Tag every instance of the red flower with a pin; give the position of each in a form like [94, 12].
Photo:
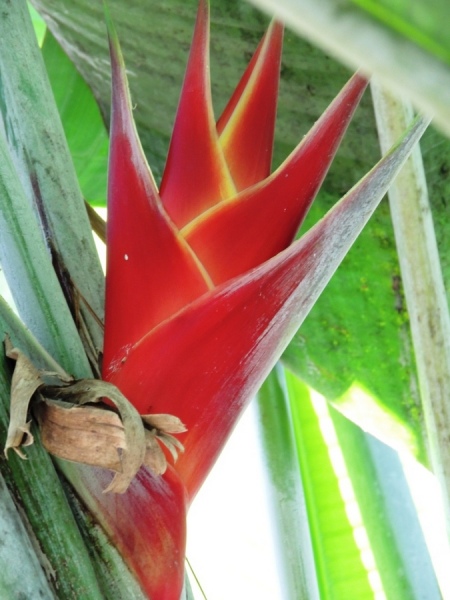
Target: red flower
[204, 286]
[189, 294]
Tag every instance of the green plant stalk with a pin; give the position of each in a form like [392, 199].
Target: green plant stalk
[104, 555]
[36, 487]
[31, 274]
[297, 563]
[359, 41]
[42, 159]
[54, 513]
[29, 271]
[51, 319]
[423, 285]
[17, 555]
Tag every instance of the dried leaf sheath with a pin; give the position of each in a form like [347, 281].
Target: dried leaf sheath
[73, 430]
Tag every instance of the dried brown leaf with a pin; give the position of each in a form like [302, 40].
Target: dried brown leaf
[171, 443]
[26, 380]
[154, 456]
[86, 434]
[166, 423]
[133, 450]
[94, 435]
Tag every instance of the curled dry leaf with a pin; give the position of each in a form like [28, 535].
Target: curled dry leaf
[74, 430]
[166, 423]
[26, 380]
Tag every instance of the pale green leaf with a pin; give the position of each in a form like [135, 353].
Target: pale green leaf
[83, 125]
[17, 555]
[340, 569]
[39, 151]
[367, 536]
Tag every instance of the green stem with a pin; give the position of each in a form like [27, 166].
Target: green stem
[17, 555]
[36, 487]
[294, 537]
[95, 569]
[423, 284]
[30, 274]
[42, 160]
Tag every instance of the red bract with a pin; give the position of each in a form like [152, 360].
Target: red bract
[204, 288]
[173, 254]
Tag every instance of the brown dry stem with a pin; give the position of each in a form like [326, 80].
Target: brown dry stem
[72, 429]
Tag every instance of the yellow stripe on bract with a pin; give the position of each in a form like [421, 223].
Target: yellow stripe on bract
[228, 131]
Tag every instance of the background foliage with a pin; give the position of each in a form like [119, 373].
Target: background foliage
[355, 347]
[364, 304]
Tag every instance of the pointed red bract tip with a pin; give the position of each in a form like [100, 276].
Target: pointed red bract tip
[151, 272]
[240, 234]
[246, 126]
[196, 175]
[222, 346]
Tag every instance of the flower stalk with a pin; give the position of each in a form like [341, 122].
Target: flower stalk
[423, 284]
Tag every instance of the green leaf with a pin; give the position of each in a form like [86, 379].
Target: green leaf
[17, 555]
[155, 52]
[341, 573]
[422, 25]
[407, 47]
[38, 24]
[83, 125]
[288, 499]
[355, 346]
[366, 533]
[43, 164]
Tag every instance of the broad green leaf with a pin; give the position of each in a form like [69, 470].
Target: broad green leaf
[83, 125]
[341, 573]
[366, 521]
[405, 45]
[355, 348]
[155, 52]
[421, 23]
